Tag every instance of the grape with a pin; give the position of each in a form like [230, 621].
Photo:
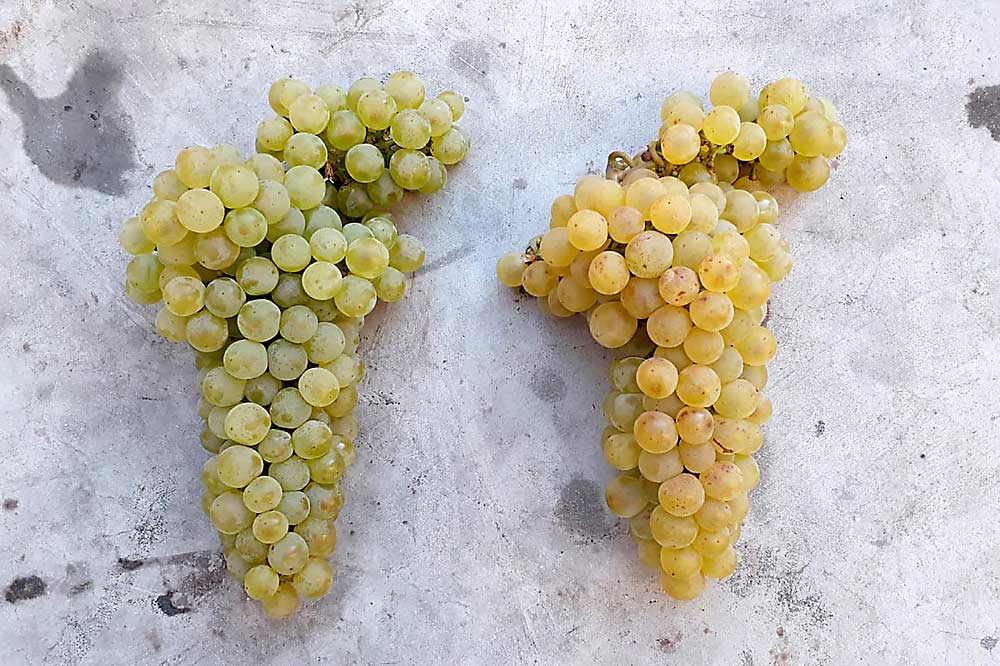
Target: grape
[806, 174]
[160, 223]
[671, 214]
[611, 325]
[364, 163]
[376, 109]
[261, 582]
[686, 113]
[259, 320]
[276, 446]
[262, 494]
[625, 497]
[409, 169]
[585, 230]
[680, 143]
[710, 311]
[221, 388]
[367, 257]
[167, 186]
[194, 166]
[224, 297]
[245, 359]
[722, 125]
[282, 603]
[305, 186]
[285, 360]
[729, 89]
[133, 239]
[608, 273]
[228, 513]
[682, 495]
[319, 534]
[215, 251]
[656, 377]
[247, 423]
[410, 129]
[451, 147]
[180, 253]
[206, 332]
[407, 255]
[641, 297]
[678, 285]
[649, 254]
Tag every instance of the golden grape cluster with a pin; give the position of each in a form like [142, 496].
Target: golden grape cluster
[674, 253]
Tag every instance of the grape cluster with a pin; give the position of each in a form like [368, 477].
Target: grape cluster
[674, 254]
[267, 266]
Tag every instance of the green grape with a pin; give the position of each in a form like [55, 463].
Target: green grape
[180, 253]
[438, 177]
[376, 109]
[621, 450]
[611, 325]
[306, 187]
[133, 239]
[729, 89]
[309, 113]
[221, 388]
[288, 555]
[261, 582]
[367, 257]
[236, 566]
[194, 166]
[215, 251]
[160, 223]
[354, 230]
[262, 388]
[750, 143]
[305, 150]
[407, 255]
[143, 272]
[229, 514]
[384, 191]
[224, 297]
[776, 121]
[184, 296]
[455, 102]
[356, 296]
[272, 201]
[298, 323]
[727, 168]
[247, 423]
[275, 91]
[680, 143]
[167, 186]
[410, 129]
[672, 531]
[289, 291]
[170, 272]
[335, 98]
[391, 285]
[294, 222]
[681, 495]
[267, 167]
[321, 217]
[316, 577]
[270, 527]
[259, 320]
[244, 254]
[321, 280]
[347, 368]
[295, 506]
[658, 467]
[383, 230]
[235, 185]
[347, 428]
[286, 360]
[246, 227]
[807, 174]
[438, 115]
[406, 89]
[312, 439]
[788, 92]
[624, 496]
[262, 494]
[344, 403]
[206, 332]
[450, 147]
[276, 446]
[210, 476]
[245, 359]
[326, 344]
[292, 474]
[282, 603]
[409, 169]
[291, 253]
[273, 133]
[217, 421]
[353, 200]
[319, 534]
[364, 163]
[345, 130]
[208, 440]
[247, 545]
[722, 125]
[359, 88]
[327, 469]
[722, 481]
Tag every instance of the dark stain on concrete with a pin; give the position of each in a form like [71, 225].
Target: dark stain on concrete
[580, 509]
[129, 565]
[547, 385]
[83, 137]
[24, 588]
[669, 643]
[165, 602]
[983, 109]
[9, 504]
[469, 55]
[988, 643]
[80, 588]
[766, 570]
[519, 184]
[820, 427]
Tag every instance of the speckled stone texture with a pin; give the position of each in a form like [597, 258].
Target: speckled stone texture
[474, 529]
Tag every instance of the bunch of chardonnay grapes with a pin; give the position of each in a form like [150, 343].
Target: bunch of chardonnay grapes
[267, 266]
[674, 253]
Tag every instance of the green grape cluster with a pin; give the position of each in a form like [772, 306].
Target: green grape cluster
[674, 254]
[267, 266]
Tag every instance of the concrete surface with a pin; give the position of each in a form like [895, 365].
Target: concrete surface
[475, 530]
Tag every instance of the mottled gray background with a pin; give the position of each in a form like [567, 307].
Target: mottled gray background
[475, 531]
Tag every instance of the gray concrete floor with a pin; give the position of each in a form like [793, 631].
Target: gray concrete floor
[474, 530]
